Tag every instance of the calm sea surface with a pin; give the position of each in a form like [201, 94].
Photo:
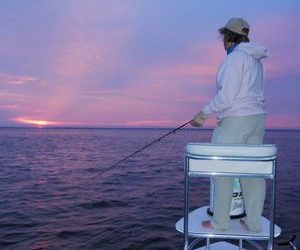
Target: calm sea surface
[50, 198]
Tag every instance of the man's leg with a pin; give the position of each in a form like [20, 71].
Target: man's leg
[254, 190]
[227, 132]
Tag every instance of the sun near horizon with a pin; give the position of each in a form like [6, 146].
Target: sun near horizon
[37, 123]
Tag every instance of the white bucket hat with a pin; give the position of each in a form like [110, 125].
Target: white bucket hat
[237, 25]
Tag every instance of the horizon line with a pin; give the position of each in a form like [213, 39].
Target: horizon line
[99, 127]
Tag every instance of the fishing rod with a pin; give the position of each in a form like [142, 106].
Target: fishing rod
[141, 149]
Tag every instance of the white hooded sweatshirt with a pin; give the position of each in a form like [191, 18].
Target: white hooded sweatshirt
[240, 78]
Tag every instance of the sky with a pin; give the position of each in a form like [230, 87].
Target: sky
[136, 63]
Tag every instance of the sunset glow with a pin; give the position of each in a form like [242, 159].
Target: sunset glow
[104, 64]
[39, 123]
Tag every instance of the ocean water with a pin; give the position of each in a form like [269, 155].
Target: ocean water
[52, 195]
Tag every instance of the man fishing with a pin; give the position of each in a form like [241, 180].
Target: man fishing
[239, 104]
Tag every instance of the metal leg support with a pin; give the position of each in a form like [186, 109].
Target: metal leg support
[186, 206]
[207, 244]
[241, 244]
[272, 211]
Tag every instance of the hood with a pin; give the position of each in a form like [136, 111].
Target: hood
[258, 52]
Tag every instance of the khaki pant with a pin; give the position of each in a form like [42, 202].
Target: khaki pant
[239, 130]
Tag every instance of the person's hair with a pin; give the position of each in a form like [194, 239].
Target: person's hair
[230, 36]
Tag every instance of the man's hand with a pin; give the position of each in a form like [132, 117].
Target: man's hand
[199, 119]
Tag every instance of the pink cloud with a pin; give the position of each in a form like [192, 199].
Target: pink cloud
[158, 91]
[9, 106]
[10, 95]
[150, 123]
[278, 35]
[188, 72]
[81, 57]
[88, 49]
[172, 80]
[7, 78]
